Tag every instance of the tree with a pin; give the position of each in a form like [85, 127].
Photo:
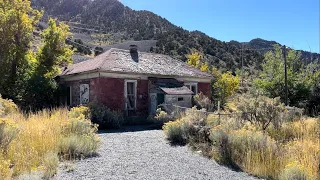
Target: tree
[16, 59]
[224, 85]
[53, 55]
[301, 77]
[194, 58]
[204, 67]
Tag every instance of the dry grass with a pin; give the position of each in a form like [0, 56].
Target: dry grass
[33, 142]
[288, 152]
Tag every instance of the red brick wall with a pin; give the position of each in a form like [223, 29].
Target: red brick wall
[205, 88]
[110, 92]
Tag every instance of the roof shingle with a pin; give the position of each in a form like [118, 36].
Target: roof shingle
[122, 61]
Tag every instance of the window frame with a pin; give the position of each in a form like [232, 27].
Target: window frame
[81, 94]
[190, 85]
[126, 94]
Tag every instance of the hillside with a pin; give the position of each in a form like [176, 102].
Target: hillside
[105, 23]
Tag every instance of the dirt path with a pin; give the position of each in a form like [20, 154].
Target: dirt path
[135, 154]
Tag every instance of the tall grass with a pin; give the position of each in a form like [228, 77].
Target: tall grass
[290, 151]
[32, 142]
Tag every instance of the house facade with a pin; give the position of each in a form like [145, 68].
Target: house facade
[133, 82]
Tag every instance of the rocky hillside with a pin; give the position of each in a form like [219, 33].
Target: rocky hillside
[109, 22]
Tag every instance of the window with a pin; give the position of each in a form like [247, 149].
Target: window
[193, 87]
[180, 98]
[84, 93]
[130, 94]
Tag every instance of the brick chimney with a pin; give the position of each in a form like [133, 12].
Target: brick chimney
[133, 48]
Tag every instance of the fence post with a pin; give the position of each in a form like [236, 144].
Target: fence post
[219, 109]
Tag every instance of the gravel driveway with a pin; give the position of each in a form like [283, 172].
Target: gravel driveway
[137, 154]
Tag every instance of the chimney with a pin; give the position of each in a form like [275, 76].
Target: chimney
[133, 48]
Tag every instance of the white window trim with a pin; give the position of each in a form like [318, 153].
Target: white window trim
[126, 93]
[88, 96]
[192, 84]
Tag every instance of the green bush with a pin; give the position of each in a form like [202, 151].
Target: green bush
[160, 118]
[294, 171]
[220, 146]
[80, 112]
[81, 126]
[176, 132]
[105, 117]
[78, 146]
[263, 111]
[50, 163]
[190, 128]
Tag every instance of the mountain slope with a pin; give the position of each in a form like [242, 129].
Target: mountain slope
[121, 24]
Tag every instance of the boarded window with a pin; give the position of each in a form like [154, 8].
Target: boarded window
[131, 95]
[84, 93]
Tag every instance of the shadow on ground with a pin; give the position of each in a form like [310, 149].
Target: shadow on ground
[132, 128]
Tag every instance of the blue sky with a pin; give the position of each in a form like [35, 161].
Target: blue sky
[294, 23]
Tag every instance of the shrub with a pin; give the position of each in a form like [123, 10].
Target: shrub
[7, 107]
[7, 133]
[175, 131]
[78, 112]
[263, 111]
[160, 118]
[33, 141]
[302, 129]
[191, 127]
[203, 102]
[50, 163]
[221, 149]
[253, 151]
[5, 171]
[80, 126]
[77, 146]
[105, 117]
[196, 128]
[294, 171]
[306, 154]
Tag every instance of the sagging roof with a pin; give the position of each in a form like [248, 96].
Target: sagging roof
[177, 91]
[122, 61]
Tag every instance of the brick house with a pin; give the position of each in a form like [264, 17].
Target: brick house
[133, 82]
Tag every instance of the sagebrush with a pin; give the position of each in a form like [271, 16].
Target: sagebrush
[35, 142]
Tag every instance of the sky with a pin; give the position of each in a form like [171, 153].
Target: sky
[294, 23]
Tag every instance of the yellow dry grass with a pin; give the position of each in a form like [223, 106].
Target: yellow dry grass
[286, 153]
[35, 140]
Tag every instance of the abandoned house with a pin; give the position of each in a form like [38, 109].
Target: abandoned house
[133, 82]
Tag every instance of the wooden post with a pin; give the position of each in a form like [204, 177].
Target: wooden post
[285, 74]
[219, 109]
